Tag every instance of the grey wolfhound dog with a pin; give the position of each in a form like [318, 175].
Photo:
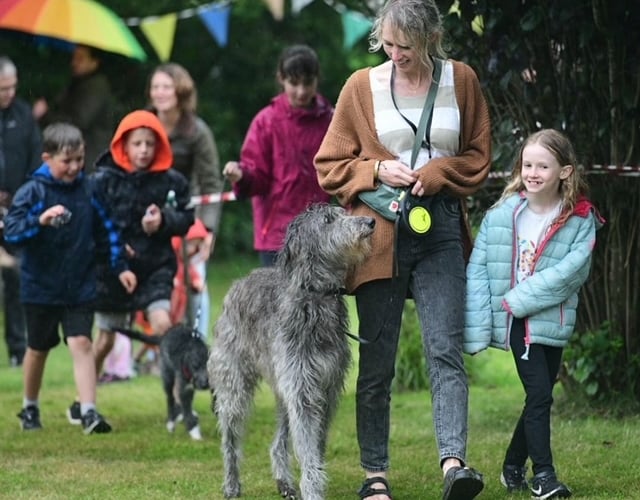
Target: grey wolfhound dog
[183, 368]
[288, 325]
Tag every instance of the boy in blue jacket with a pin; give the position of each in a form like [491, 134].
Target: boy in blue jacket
[52, 222]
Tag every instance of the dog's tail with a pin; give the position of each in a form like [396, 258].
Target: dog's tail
[137, 335]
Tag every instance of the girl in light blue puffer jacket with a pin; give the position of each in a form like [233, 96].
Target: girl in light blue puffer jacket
[530, 258]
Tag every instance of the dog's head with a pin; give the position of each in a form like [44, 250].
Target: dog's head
[328, 235]
[192, 354]
[195, 363]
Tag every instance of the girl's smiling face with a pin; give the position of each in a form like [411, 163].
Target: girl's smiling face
[541, 173]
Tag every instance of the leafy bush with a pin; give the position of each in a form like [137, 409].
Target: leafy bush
[595, 369]
[411, 369]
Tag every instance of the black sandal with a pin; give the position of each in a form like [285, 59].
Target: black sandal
[367, 491]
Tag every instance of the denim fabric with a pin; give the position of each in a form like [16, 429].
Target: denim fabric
[14, 321]
[532, 435]
[431, 269]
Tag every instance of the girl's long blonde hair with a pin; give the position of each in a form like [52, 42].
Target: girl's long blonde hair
[571, 188]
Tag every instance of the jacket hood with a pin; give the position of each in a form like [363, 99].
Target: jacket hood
[584, 207]
[320, 106]
[197, 231]
[43, 173]
[163, 158]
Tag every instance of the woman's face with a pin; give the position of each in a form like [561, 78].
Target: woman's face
[404, 57]
[162, 92]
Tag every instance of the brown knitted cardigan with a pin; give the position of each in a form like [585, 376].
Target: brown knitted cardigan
[350, 148]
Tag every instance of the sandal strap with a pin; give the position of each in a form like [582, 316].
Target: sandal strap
[367, 491]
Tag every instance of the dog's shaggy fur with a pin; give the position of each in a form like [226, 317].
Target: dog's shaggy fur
[183, 358]
[288, 325]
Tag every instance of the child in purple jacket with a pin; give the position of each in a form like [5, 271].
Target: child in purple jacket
[276, 161]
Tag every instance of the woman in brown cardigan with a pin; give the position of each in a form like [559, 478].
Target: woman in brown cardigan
[368, 147]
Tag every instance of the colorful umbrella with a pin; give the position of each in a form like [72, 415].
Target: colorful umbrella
[83, 22]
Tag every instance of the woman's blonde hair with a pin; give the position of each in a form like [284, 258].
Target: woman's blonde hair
[420, 23]
[562, 150]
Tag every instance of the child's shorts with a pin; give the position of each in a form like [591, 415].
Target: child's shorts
[112, 320]
[44, 322]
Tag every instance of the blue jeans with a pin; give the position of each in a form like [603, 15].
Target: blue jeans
[432, 270]
[532, 435]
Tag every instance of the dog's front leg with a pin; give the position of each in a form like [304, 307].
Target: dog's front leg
[280, 460]
[174, 411]
[306, 418]
[191, 422]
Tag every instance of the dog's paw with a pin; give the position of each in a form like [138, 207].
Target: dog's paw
[195, 433]
[286, 490]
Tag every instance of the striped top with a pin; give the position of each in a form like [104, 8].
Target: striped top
[396, 134]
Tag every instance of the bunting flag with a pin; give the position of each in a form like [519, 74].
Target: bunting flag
[355, 26]
[276, 7]
[298, 5]
[216, 19]
[160, 32]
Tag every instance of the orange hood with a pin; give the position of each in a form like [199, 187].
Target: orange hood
[136, 119]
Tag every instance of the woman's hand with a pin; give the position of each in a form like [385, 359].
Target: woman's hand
[396, 174]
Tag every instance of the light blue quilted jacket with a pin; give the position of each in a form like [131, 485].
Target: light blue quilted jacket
[547, 299]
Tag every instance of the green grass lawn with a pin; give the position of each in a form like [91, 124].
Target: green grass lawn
[596, 457]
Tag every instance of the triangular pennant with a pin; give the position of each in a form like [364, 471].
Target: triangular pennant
[276, 7]
[216, 18]
[298, 5]
[160, 32]
[354, 25]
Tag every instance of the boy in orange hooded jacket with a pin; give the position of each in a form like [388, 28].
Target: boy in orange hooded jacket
[147, 201]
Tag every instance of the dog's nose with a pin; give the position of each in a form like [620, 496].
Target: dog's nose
[371, 222]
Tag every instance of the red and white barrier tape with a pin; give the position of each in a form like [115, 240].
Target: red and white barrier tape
[626, 170]
[208, 199]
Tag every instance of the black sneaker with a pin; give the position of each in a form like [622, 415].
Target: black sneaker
[92, 421]
[545, 485]
[30, 418]
[513, 478]
[73, 414]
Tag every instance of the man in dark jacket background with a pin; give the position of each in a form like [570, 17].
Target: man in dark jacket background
[87, 102]
[20, 151]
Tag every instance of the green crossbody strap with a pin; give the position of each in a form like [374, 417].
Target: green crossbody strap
[427, 111]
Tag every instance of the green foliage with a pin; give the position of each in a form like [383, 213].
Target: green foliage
[411, 373]
[594, 367]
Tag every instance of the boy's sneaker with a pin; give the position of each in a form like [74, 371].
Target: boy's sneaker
[514, 478]
[73, 414]
[92, 421]
[30, 418]
[545, 485]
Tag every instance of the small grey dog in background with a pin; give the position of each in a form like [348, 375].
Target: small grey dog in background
[288, 325]
[183, 368]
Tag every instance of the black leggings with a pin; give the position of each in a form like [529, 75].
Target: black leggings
[532, 435]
